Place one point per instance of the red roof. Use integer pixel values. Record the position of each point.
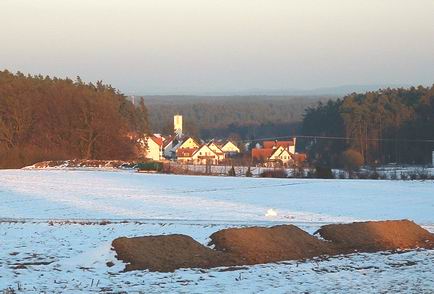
(219, 151)
(262, 154)
(185, 152)
(157, 140)
(168, 140)
(284, 144)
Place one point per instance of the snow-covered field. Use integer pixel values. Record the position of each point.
(41, 251)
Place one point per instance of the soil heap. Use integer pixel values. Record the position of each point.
(377, 236)
(256, 245)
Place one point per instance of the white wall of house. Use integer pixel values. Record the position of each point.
(230, 147)
(281, 154)
(203, 155)
(153, 150)
(189, 143)
(217, 151)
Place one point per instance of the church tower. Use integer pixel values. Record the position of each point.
(177, 125)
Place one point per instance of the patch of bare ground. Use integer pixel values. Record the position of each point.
(258, 245)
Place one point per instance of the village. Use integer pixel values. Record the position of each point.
(184, 149)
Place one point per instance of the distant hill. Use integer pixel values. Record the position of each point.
(323, 91)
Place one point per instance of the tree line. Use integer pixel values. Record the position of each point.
(385, 126)
(245, 117)
(43, 118)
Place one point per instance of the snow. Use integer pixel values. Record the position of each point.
(73, 194)
(54, 217)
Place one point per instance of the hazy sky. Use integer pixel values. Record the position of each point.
(144, 46)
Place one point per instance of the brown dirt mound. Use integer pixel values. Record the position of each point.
(167, 253)
(262, 245)
(377, 236)
(255, 245)
(77, 163)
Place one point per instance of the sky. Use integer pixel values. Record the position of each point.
(192, 46)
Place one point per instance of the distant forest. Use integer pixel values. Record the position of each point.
(243, 117)
(386, 126)
(43, 118)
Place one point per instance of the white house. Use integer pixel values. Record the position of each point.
(281, 155)
(230, 148)
(216, 149)
(201, 155)
(204, 155)
(189, 143)
(154, 147)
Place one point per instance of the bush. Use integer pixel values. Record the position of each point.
(297, 172)
(311, 173)
(404, 176)
(274, 173)
(150, 166)
(394, 175)
(383, 176)
(231, 172)
(363, 175)
(352, 160)
(374, 175)
(324, 172)
(249, 172)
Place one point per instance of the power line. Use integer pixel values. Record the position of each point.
(343, 139)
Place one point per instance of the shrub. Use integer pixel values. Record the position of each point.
(352, 160)
(363, 175)
(324, 172)
(394, 175)
(404, 176)
(249, 172)
(383, 176)
(311, 173)
(374, 175)
(274, 173)
(231, 172)
(297, 172)
(150, 166)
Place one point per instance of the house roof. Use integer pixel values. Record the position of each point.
(266, 153)
(218, 151)
(168, 140)
(284, 144)
(157, 140)
(229, 142)
(191, 139)
(263, 153)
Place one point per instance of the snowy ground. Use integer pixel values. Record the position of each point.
(39, 251)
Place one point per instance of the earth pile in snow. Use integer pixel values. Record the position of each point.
(80, 163)
(256, 245)
(167, 252)
(377, 236)
(262, 245)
